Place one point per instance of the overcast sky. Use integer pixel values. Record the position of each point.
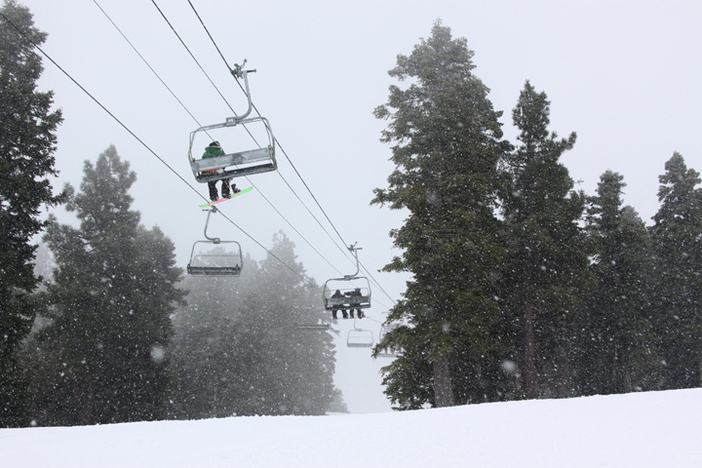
(626, 76)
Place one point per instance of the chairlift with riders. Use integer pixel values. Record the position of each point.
(242, 162)
(347, 293)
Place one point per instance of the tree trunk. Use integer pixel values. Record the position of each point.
(85, 412)
(443, 389)
(529, 350)
(626, 372)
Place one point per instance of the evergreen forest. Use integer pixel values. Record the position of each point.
(521, 286)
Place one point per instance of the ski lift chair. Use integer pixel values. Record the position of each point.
(213, 263)
(237, 164)
(204, 261)
(240, 163)
(314, 326)
(354, 291)
(387, 352)
(349, 289)
(359, 338)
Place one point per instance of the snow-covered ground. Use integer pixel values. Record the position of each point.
(655, 429)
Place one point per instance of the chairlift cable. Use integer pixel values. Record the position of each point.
(203, 70)
(343, 251)
(211, 38)
(146, 62)
(192, 55)
(293, 227)
(277, 142)
(214, 43)
(261, 245)
(36, 46)
(376, 282)
(274, 138)
(323, 211)
(136, 137)
(195, 119)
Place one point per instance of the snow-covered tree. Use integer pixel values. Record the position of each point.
(446, 146)
(677, 243)
(618, 348)
(546, 268)
(101, 355)
(27, 144)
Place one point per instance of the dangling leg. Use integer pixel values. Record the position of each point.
(225, 188)
(212, 186)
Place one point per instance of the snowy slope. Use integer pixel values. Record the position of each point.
(656, 429)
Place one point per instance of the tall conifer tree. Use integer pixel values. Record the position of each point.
(27, 143)
(547, 259)
(102, 357)
(677, 240)
(446, 147)
(619, 348)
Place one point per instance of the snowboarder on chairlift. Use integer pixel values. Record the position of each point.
(343, 311)
(356, 293)
(211, 151)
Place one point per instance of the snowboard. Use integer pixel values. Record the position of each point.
(234, 195)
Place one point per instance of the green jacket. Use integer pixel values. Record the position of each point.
(212, 151)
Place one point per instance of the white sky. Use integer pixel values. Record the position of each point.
(642, 430)
(624, 75)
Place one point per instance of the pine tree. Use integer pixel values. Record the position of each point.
(619, 348)
(677, 241)
(547, 261)
(102, 357)
(446, 147)
(27, 144)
